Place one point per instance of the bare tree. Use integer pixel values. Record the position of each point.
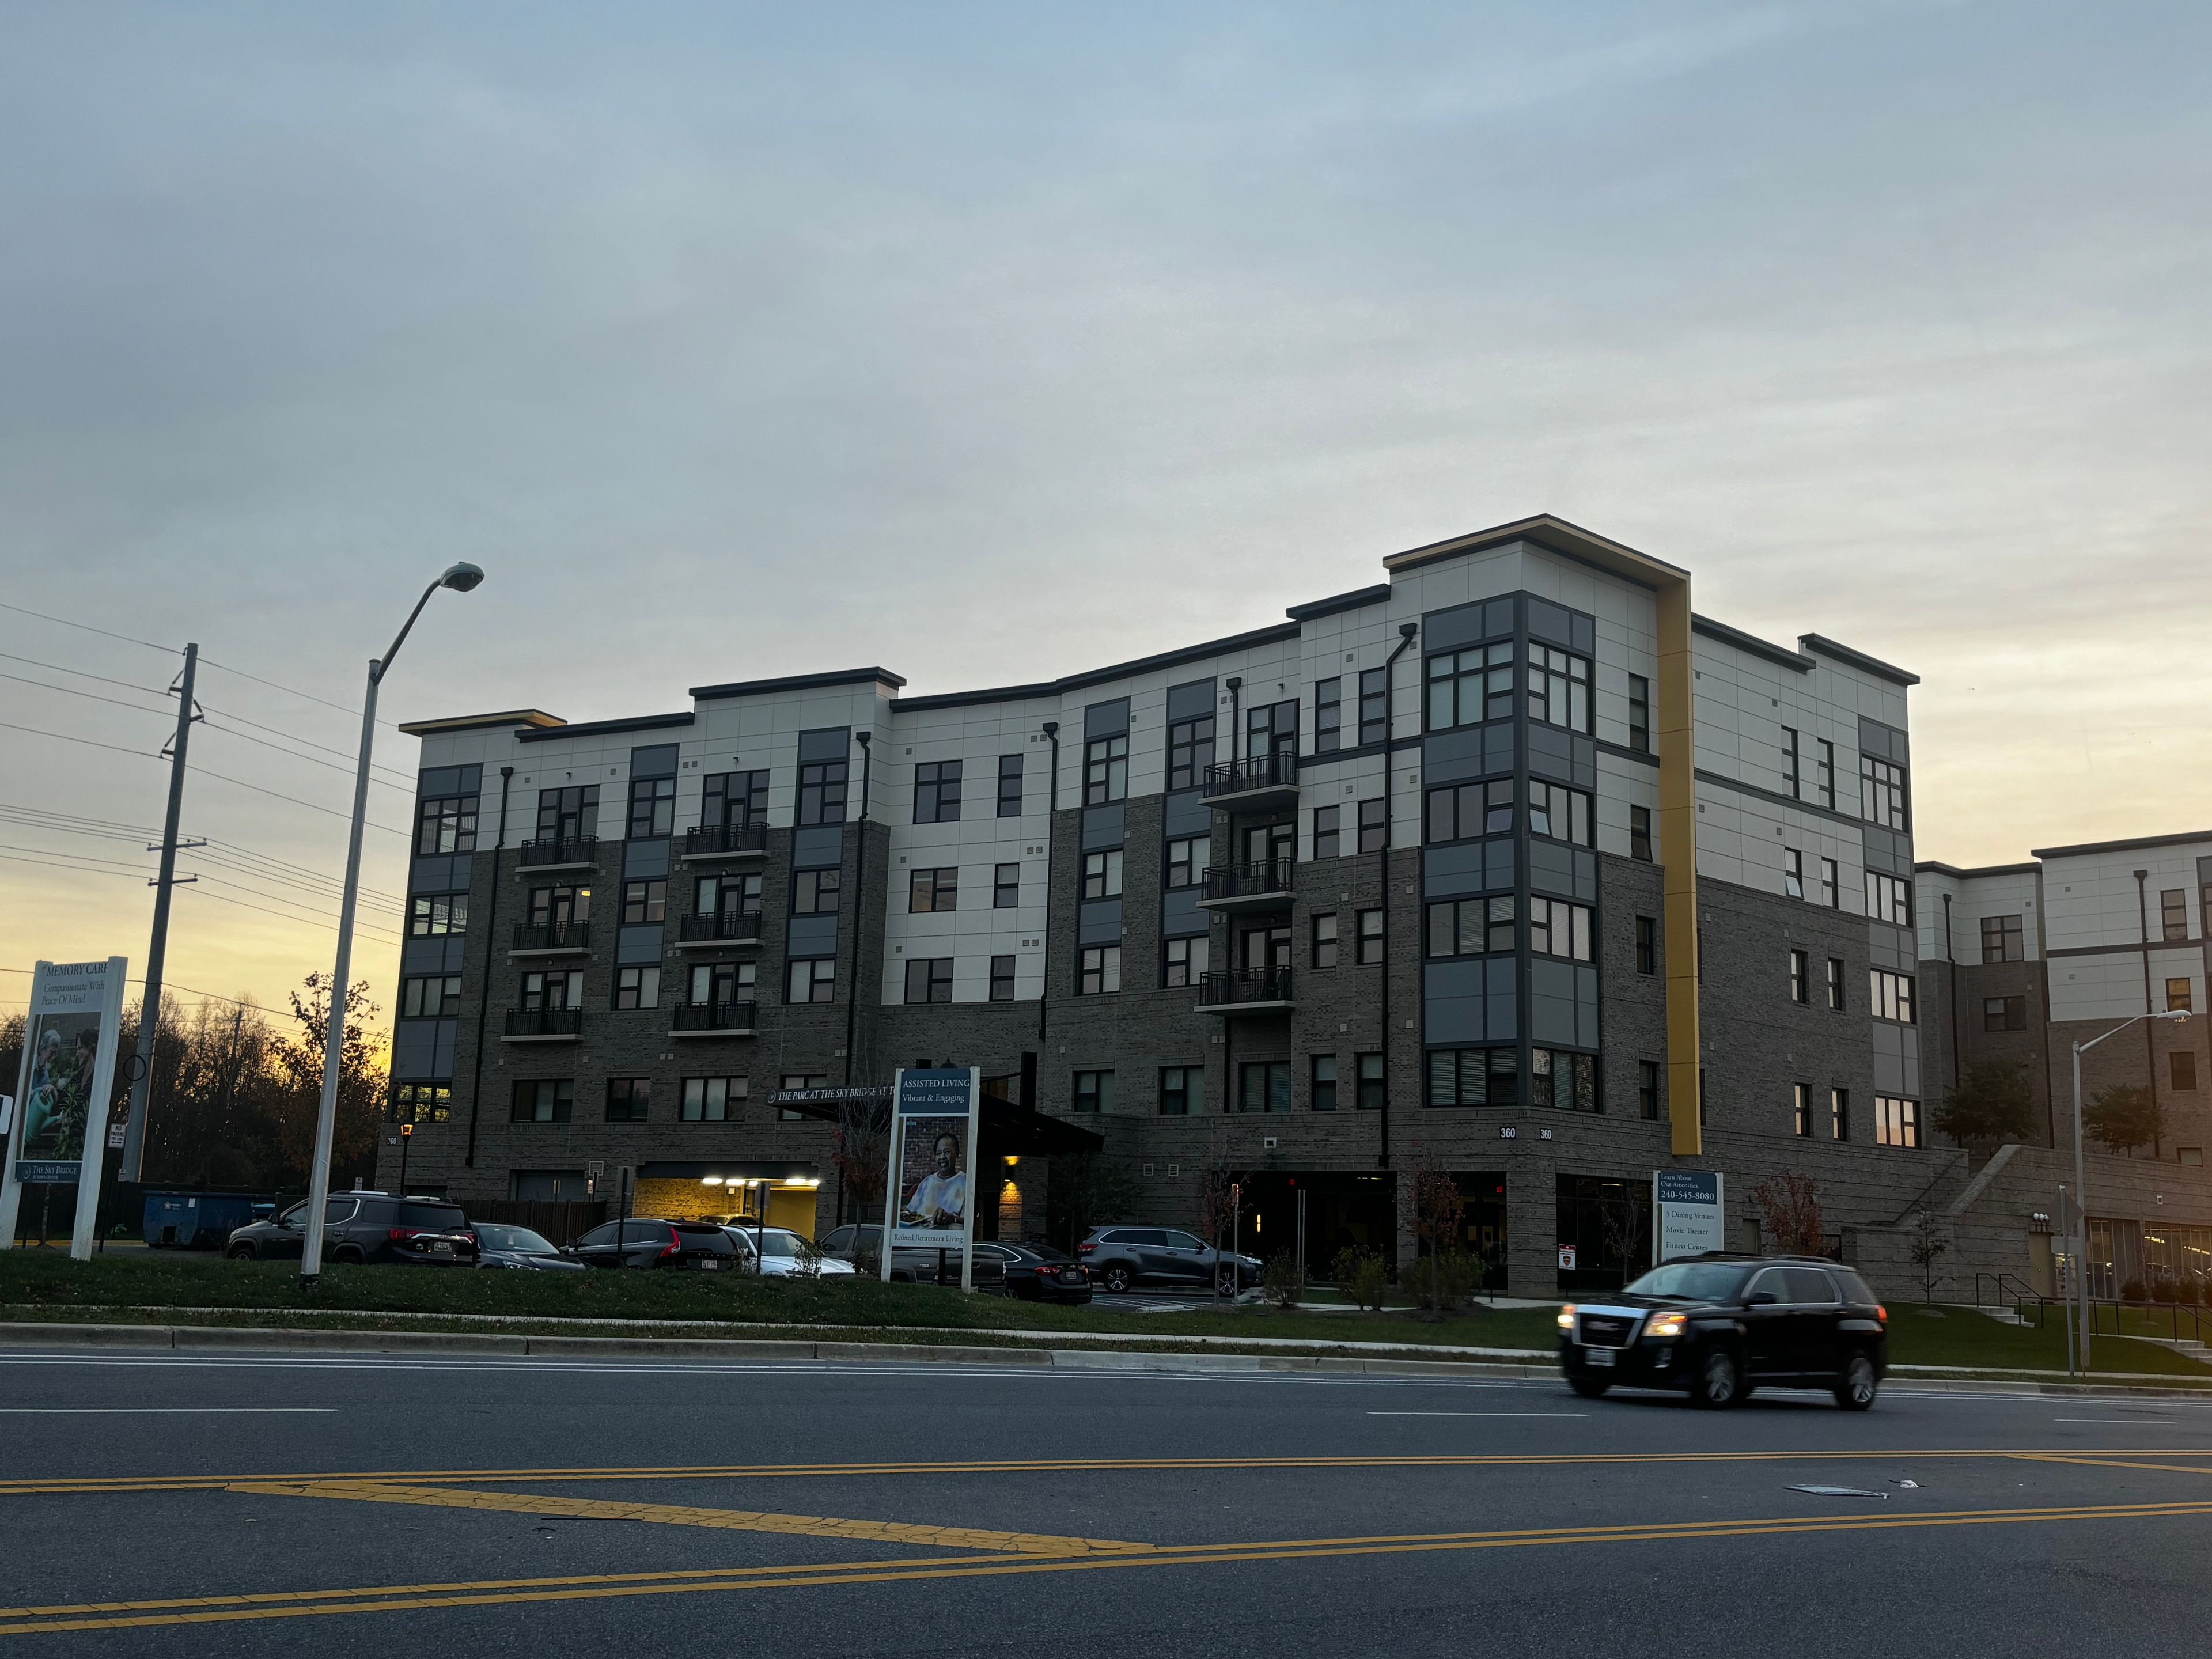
(1790, 1206)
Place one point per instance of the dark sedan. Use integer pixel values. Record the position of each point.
(500, 1245)
(1038, 1272)
(648, 1243)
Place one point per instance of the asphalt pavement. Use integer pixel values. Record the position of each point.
(258, 1503)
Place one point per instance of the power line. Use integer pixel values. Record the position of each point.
(60, 668)
(407, 788)
(278, 730)
(74, 691)
(66, 622)
(38, 732)
(116, 867)
(70, 823)
(292, 691)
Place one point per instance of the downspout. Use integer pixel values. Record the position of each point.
(1406, 634)
(1051, 825)
(491, 950)
(1951, 975)
(2150, 1041)
(1236, 683)
(866, 740)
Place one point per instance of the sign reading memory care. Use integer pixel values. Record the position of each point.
(926, 1200)
(67, 1078)
(1686, 1213)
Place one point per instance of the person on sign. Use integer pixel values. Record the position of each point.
(939, 1198)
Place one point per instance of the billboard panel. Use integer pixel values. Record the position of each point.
(1686, 1213)
(927, 1202)
(67, 1076)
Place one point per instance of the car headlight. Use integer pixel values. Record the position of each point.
(1567, 1318)
(1666, 1324)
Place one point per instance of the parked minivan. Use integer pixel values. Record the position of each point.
(362, 1227)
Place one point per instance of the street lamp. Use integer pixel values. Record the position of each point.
(460, 578)
(2081, 1192)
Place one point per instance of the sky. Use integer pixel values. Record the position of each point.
(984, 342)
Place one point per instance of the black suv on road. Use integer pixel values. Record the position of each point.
(361, 1227)
(1719, 1326)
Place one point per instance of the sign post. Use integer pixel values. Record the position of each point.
(935, 1115)
(60, 1135)
(1686, 1213)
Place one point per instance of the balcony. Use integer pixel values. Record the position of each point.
(713, 1019)
(726, 840)
(728, 927)
(1235, 889)
(550, 939)
(558, 853)
(1269, 780)
(1255, 991)
(543, 1025)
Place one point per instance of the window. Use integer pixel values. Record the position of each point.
(1474, 1077)
(733, 799)
(651, 806)
(2003, 940)
(1010, 786)
(1374, 705)
(1322, 1094)
(800, 1080)
(565, 814)
(446, 823)
(1183, 962)
(637, 987)
(1881, 793)
(553, 990)
(1639, 713)
(1568, 1081)
(1002, 979)
(1831, 892)
(727, 895)
(1896, 1121)
(1790, 777)
(1648, 1092)
(1799, 990)
(2181, 1068)
(1190, 751)
(1559, 688)
(644, 900)
(629, 1099)
(937, 792)
(821, 792)
(814, 892)
(1102, 874)
(2190, 1157)
(423, 1103)
(1374, 825)
(1005, 886)
(1188, 859)
(1836, 983)
(1266, 949)
(1468, 686)
(929, 979)
(1098, 970)
(1370, 937)
(1371, 1091)
(429, 915)
(1889, 899)
(931, 891)
(557, 907)
(1465, 810)
(1839, 1114)
(2004, 1013)
(1094, 1091)
(1824, 773)
(2179, 998)
(1182, 1089)
(1325, 822)
(813, 981)
(1647, 944)
(719, 984)
(2174, 913)
(1105, 770)
(1559, 812)
(1639, 833)
(1272, 729)
(1793, 873)
(1557, 928)
(436, 997)
(1329, 716)
(1263, 1085)
(1801, 1117)
(1889, 996)
(1324, 939)
(543, 1100)
(708, 1099)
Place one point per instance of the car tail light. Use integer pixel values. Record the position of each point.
(1880, 1314)
(398, 1233)
(674, 1246)
(1084, 1248)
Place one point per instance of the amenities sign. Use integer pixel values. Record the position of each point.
(928, 1201)
(1686, 1213)
(68, 1075)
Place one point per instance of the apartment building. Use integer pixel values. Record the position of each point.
(1508, 864)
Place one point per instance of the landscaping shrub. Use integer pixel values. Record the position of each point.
(1362, 1275)
(2132, 1290)
(1286, 1282)
(1454, 1274)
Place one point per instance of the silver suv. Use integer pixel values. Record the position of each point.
(862, 1247)
(1122, 1258)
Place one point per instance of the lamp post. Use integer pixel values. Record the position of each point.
(460, 578)
(2081, 1190)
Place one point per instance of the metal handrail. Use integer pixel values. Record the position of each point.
(1277, 769)
(1259, 879)
(552, 936)
(715, 1016)
(723, 924)
(556, 849)
(544, 1022)
(1252, 985)
(726, 838)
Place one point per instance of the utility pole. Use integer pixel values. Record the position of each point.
(149, 1007)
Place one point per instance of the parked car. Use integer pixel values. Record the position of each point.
(501, 1244)
(862, 1247)
(1037, 1273)
(1718, 1326)
(649, 1242)
(365, 1227)
(1122, 1258)
(784, 1252)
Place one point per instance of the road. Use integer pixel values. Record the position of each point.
(267, 1504)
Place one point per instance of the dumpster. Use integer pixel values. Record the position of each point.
(197, 1221)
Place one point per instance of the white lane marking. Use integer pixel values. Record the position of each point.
(1478, 1414)
(154, 1411)
(2141, 1422)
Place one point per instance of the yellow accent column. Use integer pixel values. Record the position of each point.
(1678, 853)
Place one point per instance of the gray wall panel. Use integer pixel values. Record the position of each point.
(1187, 814)
(639, 944)
(827, 743)
(1103, 827)
(1179, 916)
(810, 936)
(820, 847)
(645, 860)
(1192, 701)
(1099, 922)
(1452, 995)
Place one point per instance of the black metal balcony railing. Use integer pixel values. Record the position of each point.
(544, 1022)
(714, 1016)
(552, 936)
(735, 926)
(1261, 879)
(1277, 770)
(1253, 985)
(709, 838)
(557, 849)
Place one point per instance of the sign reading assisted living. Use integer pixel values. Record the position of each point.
(928, 1200)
